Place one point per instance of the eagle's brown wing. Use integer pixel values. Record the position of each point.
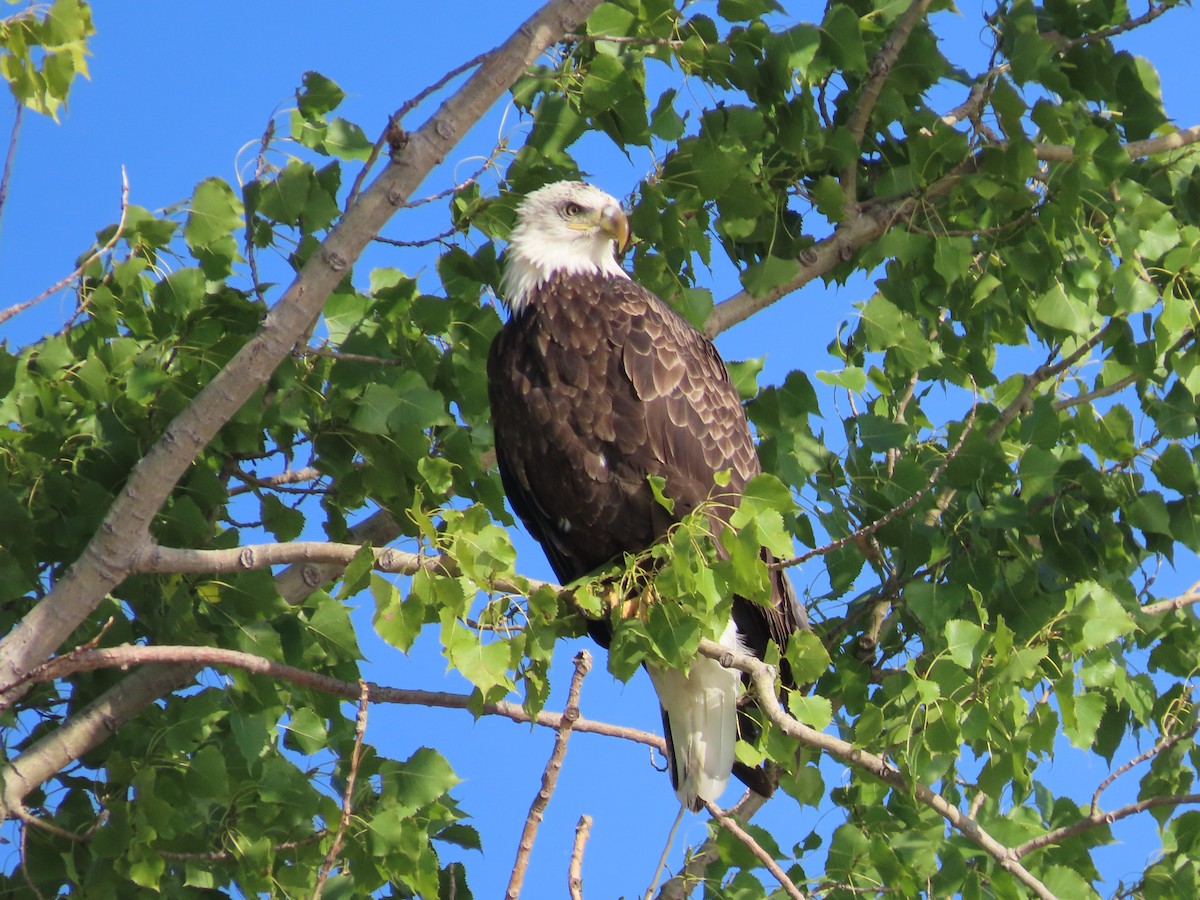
(595, 385)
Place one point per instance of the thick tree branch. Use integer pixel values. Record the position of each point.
(537, 809)
(87, 728)
(763, 681)
(124, 533)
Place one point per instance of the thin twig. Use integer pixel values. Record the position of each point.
(277, 482)
(730, 824)
(394, 121)
(327, 353)
(10, 157)
(537, 809)
(575, 867)
(423, 242)
(892, 514)
(1097, 819)
(335, 849)
(666, 850)
(7, 314)
(260, 169)
(24, 853)
(1166, 743)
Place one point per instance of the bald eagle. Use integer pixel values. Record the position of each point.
(595, 384)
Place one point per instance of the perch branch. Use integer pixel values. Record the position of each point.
(537, 809)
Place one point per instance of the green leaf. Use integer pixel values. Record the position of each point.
(762, 277)
(851, 378)
(318, 95)
(213, 215)
(485, 663)
(418, 781)
(841, 39)
(807, 657)
(965, 642)
(306, 731)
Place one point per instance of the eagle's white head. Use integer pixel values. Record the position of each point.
(568, 227)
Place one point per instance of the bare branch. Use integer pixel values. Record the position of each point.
(575, 867)
(335, 849)
(274, 482)
(763, 680)
(1190, 597)
(1176, 140)
(7, 314)
(730, 824)
(11, 155)
(157, 559)
(127, 655)
(124, 532)
(537, 809)
(394, 120)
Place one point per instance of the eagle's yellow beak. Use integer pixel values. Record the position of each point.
(615, 224)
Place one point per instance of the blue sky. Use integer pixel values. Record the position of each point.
(180, 92)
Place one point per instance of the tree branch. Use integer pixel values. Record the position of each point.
(174, 560)
(575, 867)
(10, 156)
(865, 225)
(1188, 598)
(7, 314)
(1096, 819)
(881, 67)
(124, 533)
(680, 887)
(763, 681)
(197, 658)
(360, 730)
(537, 809)
(730, 824)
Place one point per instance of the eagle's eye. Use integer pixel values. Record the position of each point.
(571, 209)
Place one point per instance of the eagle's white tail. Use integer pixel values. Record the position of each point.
(700, 725)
